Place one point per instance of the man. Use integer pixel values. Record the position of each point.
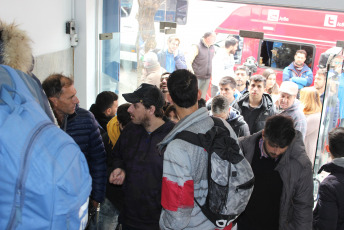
(220, 108)
(137, 163)
(282, 197)
(298, 72)
(171, 58)
(223, 64)
(290, 106)
(332, 106)
(241, 77)
(164, 89)
(105, 108)
(227, 89)
(81, 125)
(199, 61)
(255, 105)
(185, 165)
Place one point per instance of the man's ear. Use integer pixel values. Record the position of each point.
(107, 111)
(199, 95)
(263, 134)
(152, 109)
(327, 148)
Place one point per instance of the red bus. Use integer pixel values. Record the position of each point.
(285, 31)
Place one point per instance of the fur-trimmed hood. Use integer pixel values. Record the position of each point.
(15, 47)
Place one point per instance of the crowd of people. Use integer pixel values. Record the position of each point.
(143, 178)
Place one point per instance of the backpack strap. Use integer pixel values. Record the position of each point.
(189, 137)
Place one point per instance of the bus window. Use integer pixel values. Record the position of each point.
(220, 42)
(172, 11)
(279, 54)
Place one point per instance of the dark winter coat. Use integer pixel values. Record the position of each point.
(136, 152)
(329, 212)
(83, 128)
(267, 109)
(238, 124)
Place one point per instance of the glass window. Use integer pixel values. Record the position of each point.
(279, 54)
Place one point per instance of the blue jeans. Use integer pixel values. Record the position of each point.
(108, 217)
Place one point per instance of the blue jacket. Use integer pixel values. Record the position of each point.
(83, 128)
(179, 60)
(302, 79)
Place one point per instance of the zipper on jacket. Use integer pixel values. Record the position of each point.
(19, 195)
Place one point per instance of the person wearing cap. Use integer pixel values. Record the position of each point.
(152, 70)
(136, 162)
(290, 106)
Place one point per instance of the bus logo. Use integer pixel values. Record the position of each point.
(273, 15)
(330, 20)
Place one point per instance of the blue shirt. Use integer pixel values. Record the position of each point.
(170, 63)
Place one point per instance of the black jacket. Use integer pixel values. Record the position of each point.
(266, 110)
(238, 124)
(329, 212)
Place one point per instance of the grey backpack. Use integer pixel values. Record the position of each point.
(230, 177)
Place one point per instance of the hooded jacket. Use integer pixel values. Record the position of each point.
(295, 170)
(238, 124)
(136, 153)
(329, 211)
(185, 176)
(266, 110)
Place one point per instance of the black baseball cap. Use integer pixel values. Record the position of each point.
(146, 94)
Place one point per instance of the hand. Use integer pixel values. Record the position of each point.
(94, 203)
(117, 176)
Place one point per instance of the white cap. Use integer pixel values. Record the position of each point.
(289, 87)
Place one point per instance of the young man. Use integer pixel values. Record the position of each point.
(105, 108)
(228, 89)
(241, 77)
(220, 108)
(199, 61)
(282, 197)
(185, 165)
(329, 212)
(223, 64)
(81, 125)
(137, 163)
(255, 105)
(290, 106)
(298, 72)
(171, 58)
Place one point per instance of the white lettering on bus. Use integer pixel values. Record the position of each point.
(284, 19)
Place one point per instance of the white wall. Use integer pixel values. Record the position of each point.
(44, 21)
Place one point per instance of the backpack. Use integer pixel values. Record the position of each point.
(230, 177)
(44, 179)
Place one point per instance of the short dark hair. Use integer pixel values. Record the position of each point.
(219, 104)
(123, 116)
(228, 81)
(336, 142)
(322, 71)
(183, 88)
(155, 97)
(279, 130)
(208, 34)
(201, 103)
(105, 100)
(169, 109)
(301, 52)
(231, 42)
(243, 68)
(53, 84)
(258, 78)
